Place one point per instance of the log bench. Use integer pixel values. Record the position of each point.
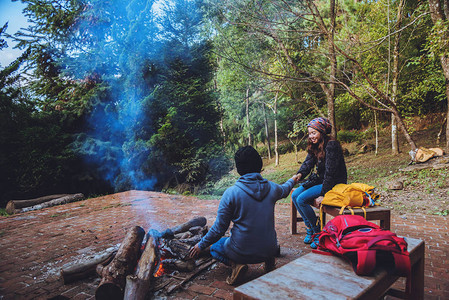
(317, 276)
(380, 213)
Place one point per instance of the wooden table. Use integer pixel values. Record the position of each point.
(380, 213)
(316, 276)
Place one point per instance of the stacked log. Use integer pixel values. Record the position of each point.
(18, 206)
(113, 275)
(129, 272)
(86, 266)
(138, 285)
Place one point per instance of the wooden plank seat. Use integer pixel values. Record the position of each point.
(317, 276)
(382, 214)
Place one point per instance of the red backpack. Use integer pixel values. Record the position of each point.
(365, 245)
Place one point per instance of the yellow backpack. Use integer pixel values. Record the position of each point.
(354, 195)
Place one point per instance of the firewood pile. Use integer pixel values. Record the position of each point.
(152, 263)
(18, 206)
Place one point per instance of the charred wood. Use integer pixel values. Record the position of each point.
(86, 267)
(174, 286)
(197, 221)
(183, 235)
(178, 249)
(192, 240)
(178, 265)
(138, 285)
(114, 274)
(196, 230)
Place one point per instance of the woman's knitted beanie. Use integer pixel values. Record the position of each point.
(321, 124)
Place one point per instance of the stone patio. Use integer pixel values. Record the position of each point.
(34, 245)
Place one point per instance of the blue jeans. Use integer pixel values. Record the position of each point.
(217, 251)
(302, 198)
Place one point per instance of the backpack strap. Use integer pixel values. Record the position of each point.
(403, 266)
(342, 209)
(366, 261)
(322, 252)
(321, 216)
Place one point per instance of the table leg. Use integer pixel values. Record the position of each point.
(293, 219)
(417, 279)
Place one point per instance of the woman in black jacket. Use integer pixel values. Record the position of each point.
(326, 155)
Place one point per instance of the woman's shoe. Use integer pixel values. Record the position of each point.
(308, 238)
(316, 242)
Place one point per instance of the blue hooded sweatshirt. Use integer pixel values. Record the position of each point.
(249, 204)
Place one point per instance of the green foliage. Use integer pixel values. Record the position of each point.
(349, 136)
(437, 40)
(349, 112)
(117, 96)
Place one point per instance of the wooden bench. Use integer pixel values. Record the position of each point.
(317, 276)
(380, 213)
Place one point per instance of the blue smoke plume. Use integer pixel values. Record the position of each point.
(116, 42)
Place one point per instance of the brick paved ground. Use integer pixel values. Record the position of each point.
(34, 245)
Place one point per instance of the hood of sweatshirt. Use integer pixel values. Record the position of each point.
(254, 185)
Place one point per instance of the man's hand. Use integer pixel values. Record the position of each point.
(194, 251)
(296, 178)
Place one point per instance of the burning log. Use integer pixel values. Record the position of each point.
(183, 235)
(197, 221)
(86, 267)
(197, 230)
(138, 285)
(170, 264)
(13, 205)
(57, 201)
(177, 248)
(114, 275)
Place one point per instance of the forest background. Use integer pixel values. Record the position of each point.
(157, 95)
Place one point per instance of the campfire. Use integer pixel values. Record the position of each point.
(153, 262)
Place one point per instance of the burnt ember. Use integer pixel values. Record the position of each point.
(175, 268)
(155, 263)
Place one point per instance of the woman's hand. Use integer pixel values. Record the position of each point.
(318, 200)
(194, 251)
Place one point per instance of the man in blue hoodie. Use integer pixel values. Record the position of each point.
(249, 204)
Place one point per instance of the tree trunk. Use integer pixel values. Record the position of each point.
(445, 62)
(17, 204)
(404, 129)
(276, 152)
(377, 132)
(138, 285)
(113, 280)
(267, 132)
(333, 71)
(439, 12)
(54, 202)
(394, 136)
(247, 116)
(440, 133)
(86, 267)
(395, 78)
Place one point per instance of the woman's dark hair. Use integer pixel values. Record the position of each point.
(319, 149)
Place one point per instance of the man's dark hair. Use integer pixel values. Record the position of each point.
(248, 160)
